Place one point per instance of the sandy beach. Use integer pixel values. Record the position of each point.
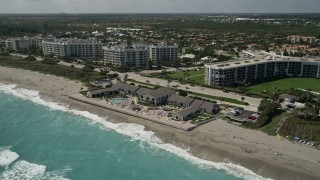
(217, 141)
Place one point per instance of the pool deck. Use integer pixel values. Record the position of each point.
(187, 126)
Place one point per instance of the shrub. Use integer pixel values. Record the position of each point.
(88, 68)
(30, 58)
(49, 61)
(183, 93)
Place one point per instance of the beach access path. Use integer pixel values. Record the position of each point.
(218, 140)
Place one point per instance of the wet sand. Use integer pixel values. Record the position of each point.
(217, 141)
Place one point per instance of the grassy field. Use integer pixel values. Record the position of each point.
(58, 70)
(287, 83)
(191, 76)
(270, 128)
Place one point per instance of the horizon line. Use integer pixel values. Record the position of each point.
(58, 13)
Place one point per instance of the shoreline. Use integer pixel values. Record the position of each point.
(80, 98)
(216, 141)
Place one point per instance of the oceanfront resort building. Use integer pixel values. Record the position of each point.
(136, 55)
(82, 48)
(188, 107)
(23, 43)
(263, 65)
(164, 53)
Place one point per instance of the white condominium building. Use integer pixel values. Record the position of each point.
(82, 48)
(23, 43)
(298, 39)
(127, 56)
(264, 66)
(163, 53)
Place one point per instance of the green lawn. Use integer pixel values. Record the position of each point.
(287, 83)
(201, 118)
(191, 76)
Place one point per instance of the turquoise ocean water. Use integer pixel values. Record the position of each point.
(45, 140)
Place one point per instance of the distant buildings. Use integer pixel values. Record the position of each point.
(82, 48)
(163, 53)
(127, 56)
(235, 72)
(188, 56)
(23, 43)
(298, 39)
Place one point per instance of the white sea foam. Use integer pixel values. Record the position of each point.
(134, 131)
(7, 157)
(24, 170)
(27, 171)
(57, 175)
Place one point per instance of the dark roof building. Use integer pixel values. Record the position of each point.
(158, 96)
(288, 97)
(161, 92)
(126, 88)
(101, 92)
(210, 107)
(180, 100)
(197, 102)
(141, 91)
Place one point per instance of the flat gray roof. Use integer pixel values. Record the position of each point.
(161, 92)
(260, 57)
(180, 99)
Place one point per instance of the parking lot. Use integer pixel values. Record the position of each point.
(241, 115)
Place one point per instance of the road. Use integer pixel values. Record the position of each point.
(253, 102)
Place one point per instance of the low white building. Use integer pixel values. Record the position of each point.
(188, 56)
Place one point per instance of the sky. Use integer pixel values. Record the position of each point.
(159, 6)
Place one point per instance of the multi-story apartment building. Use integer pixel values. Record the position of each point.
(298, 39)
(82, 48)
(164, 53)
(23, 43)
(127, 56)
(235, 72)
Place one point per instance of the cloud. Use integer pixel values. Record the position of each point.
(159, 6)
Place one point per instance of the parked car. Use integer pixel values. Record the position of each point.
(252, 117)
(235, 112)
(290, 105)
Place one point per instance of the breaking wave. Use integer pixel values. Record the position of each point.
(21, 169)
(131, 130)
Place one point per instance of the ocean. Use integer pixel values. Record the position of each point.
(40, 139)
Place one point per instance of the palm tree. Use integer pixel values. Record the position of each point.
(125, 78)
(242, 98)
(221, 99)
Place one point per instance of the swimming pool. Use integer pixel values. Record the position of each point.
(119, 100)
